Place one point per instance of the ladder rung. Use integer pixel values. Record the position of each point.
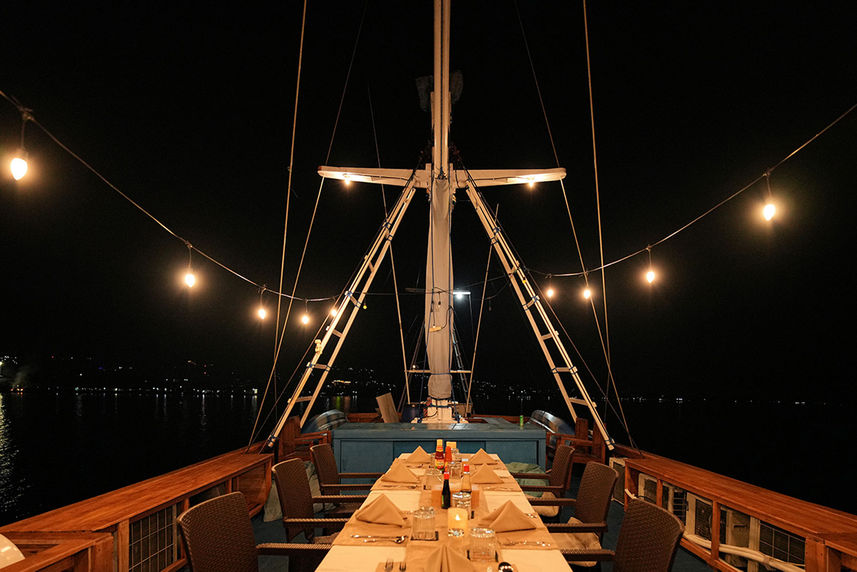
(578, 401)
(546, 337)
(323, 366)
(337, 333)
(305, 398)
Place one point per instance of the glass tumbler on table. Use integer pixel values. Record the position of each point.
(423, 526)
(483, 543)
(461, 499)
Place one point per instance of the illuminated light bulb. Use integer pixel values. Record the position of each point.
(531, 184)
(333, 312)
(305, 319)
(650, 276)
(190, 279)
(262, 313)
(347, 180)
(769, 211)
(587, 293)
(550, 292)
(19, 167)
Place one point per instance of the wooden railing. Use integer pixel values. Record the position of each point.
(721, 511)
(134, 528)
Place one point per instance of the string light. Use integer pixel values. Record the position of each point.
(333, 312)
(305, 316)
(550, 291)
(189, 277)
(770, 209)
(650, 274)
(19, 164)
(261, 311)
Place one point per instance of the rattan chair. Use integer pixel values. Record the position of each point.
(296, 502)
(329, 477)
(558, 479)
(647, 541)
(218, 536)
(585, 529)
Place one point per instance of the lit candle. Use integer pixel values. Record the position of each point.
(456, 521)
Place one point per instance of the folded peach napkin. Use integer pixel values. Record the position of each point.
(447, 559)
(485, 476)
(482, 458)
(508, 518)
(399, 473)
(418, 456)
(381, 511)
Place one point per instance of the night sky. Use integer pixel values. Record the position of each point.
(189, 112)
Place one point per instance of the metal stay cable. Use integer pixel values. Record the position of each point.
(289, 183)
(605, 345)
(606, 341)
(479, 319)
(272, 374)
(285, 321)
(392, 259)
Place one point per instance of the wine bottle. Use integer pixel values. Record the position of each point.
(445, 493)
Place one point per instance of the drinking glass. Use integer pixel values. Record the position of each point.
(423, 527)
(461, 500)
(483, 543)
(455, 470)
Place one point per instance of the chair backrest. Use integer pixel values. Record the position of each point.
(595, 492)
(325, 464)
(648, 539)
(294, 494)
(560, 474)
(218, 535)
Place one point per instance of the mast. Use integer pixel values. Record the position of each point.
(440, 181)
(439, 277)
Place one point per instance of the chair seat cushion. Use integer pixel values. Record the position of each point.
(578, 541)
(546, 510)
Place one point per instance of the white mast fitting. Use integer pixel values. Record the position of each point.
(441, 181)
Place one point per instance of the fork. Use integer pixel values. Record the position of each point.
(402, 566)
(388, 567)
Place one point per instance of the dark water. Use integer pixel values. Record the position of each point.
(58, 449)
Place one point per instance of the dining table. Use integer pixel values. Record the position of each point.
(377, 537)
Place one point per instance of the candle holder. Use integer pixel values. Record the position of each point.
(457, 521)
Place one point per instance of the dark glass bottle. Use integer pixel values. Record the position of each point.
(445, 493)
